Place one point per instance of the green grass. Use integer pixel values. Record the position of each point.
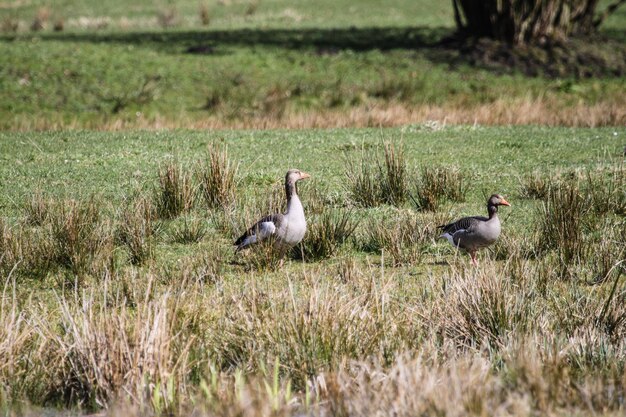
(254, 72)
(107, 302)
(231, 319)
(268, 13)
(113, 166)
(78, 164)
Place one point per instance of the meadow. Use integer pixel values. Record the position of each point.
(122, 291)
(378, 64)
(139, 140)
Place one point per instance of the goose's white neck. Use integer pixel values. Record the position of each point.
(294, 207)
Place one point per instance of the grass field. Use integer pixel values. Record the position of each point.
(139, 139)
(353, 328)
(379, 68)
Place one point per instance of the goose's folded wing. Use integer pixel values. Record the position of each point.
(462, 227)
(260, 231)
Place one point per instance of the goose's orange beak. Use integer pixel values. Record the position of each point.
(304, 175)
(503, 202)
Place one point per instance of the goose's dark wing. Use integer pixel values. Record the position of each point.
(468, 224)
(260, 231)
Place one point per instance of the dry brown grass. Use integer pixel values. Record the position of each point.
(351, 336)
(217, 177)
(137, 228)
(401, 236)
(487, 342)
(175, 193)
(533, 111)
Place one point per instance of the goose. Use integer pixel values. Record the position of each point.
(476, 232)
(287, 228)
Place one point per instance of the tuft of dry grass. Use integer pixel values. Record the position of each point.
(204, 14)
(37, 209)
(175, 193)
(9, 24)
(436, 183)
(363, 183)
(402, 237)
(483, 306)
(107, 349)
(607, 190)
(608, 253)
(137, 228)
(394, 175)
(190, 230)
(562, 219)
(83, 241)
(218, 177)
(536, 185)
(28, 251)
(326, 233)
(372, 183)
(252, 7)
(41, 19)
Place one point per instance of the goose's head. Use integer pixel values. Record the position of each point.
(497, 200)
(295, 175)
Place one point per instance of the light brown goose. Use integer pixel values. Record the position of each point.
(286, 228)
(477, 232)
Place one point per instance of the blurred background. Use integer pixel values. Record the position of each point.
(279, 63)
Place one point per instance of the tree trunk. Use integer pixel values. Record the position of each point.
(522, 21)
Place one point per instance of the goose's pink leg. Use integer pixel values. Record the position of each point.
(474, 260)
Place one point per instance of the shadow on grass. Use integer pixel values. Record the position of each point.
(356, 39)
(599, 56)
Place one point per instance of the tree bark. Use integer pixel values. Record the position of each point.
(528, 21)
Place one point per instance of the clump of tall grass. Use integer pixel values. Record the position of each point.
(435, 183)
(108, 348)
(9, 24)
(175, 193)
(484, 306)
(364, 183)
(264, 256)
(536, 185)
(81, 237)
(137, 229)
(326, 233)
(562, 221)
(190, 230)
(218, 177)
(514, 246)
(252, 7)
(608, 253)
(607, 190)
(26, 250)
(319, 323)
(394, 175)
(23, 363)
(37, 209)
(204, 13)
(401, 237)
(41, 19)
(372, 183)
(458, 386)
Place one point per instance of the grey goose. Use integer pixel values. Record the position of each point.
(476, 232)
(288, 228)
